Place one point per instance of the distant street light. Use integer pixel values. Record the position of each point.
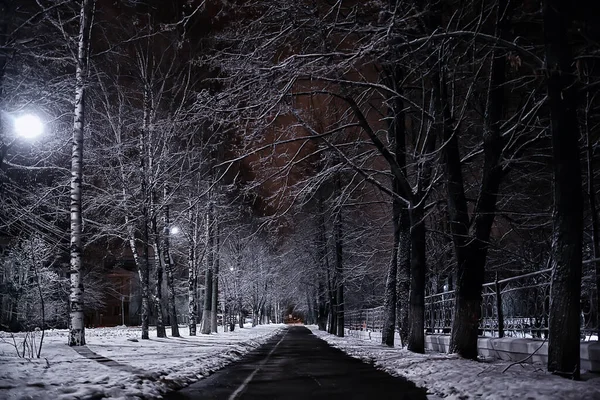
(175, 230)
(28, 126)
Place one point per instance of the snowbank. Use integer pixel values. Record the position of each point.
(141, 369)
(449, 377)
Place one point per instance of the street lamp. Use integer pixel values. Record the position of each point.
(28, 126)
(174, 230)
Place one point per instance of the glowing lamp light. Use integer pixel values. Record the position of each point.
(28, 126)
(175, 230)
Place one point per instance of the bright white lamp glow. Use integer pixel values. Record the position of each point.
(28, 126)
(175, 230)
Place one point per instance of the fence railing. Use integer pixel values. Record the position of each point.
(513, 307)
(516, 306)
(364, 320)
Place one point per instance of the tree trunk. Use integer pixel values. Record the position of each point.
(471, 261)
(390, 298)
(322, 278)
(331, 286)
(418, 260)
(416, 334)
(76, 320)
(593, 214)
(145, 277)
(207, 314)
(192, 274)
(238, 288)
(158, 267)
(322, 304)
(215, 278)
(315, 300)
(404, 257)
(567, 238)
(397, 135)
(468, 294)
(146, 202)
(310, 309)
(332, 315)
(339, 273)
(169, 267)
(140, 262)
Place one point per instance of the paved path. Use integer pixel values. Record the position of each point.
(297, 365)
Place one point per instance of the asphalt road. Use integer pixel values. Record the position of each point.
(297, 365)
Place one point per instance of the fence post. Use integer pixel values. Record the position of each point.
(499, 312)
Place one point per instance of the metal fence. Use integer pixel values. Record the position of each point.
(513, 307)
(364, 324)
(364, 320)
(516, 306)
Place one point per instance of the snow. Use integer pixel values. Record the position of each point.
(141, 369)
(148, 368)
(449, 377)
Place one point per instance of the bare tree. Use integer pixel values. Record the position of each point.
(168, 260)
(208, 285)
(563, 341)
(77, 327)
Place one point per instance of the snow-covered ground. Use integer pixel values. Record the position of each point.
(449, 377)
(143, 368)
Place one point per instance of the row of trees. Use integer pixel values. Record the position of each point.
(148, 163)
(380, 149)
(459, 113)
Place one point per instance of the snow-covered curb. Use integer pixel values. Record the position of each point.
(155, 365)
(447, 376)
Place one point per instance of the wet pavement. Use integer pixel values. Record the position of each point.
(295, 364)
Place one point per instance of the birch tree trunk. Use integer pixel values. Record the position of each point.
(76, 320)
(169, 266)
(567, 238)
(158, 268)
(142, 268)
(145, 277)
(146, 201)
